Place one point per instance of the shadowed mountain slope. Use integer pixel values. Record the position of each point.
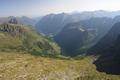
(108, 49)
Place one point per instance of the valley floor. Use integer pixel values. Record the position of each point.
(18, 66)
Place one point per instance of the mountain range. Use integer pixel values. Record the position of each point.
(53, 23)
(64, 46)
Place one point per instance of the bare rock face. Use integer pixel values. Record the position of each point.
(12, 29)
(13, 21)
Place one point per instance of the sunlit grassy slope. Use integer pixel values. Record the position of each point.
(17, 37)
(18, 66)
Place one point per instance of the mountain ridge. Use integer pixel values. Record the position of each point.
(21, 38)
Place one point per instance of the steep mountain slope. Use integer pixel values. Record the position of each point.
(108, 48)
(101, 25)
(109, 61)
(73, 38)
(97, 27)
(52, 23)
(16, 37)
(108, 39)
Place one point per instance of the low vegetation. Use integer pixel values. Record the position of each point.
(18, 66)
(17, 37)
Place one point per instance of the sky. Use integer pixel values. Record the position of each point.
(34, 8)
